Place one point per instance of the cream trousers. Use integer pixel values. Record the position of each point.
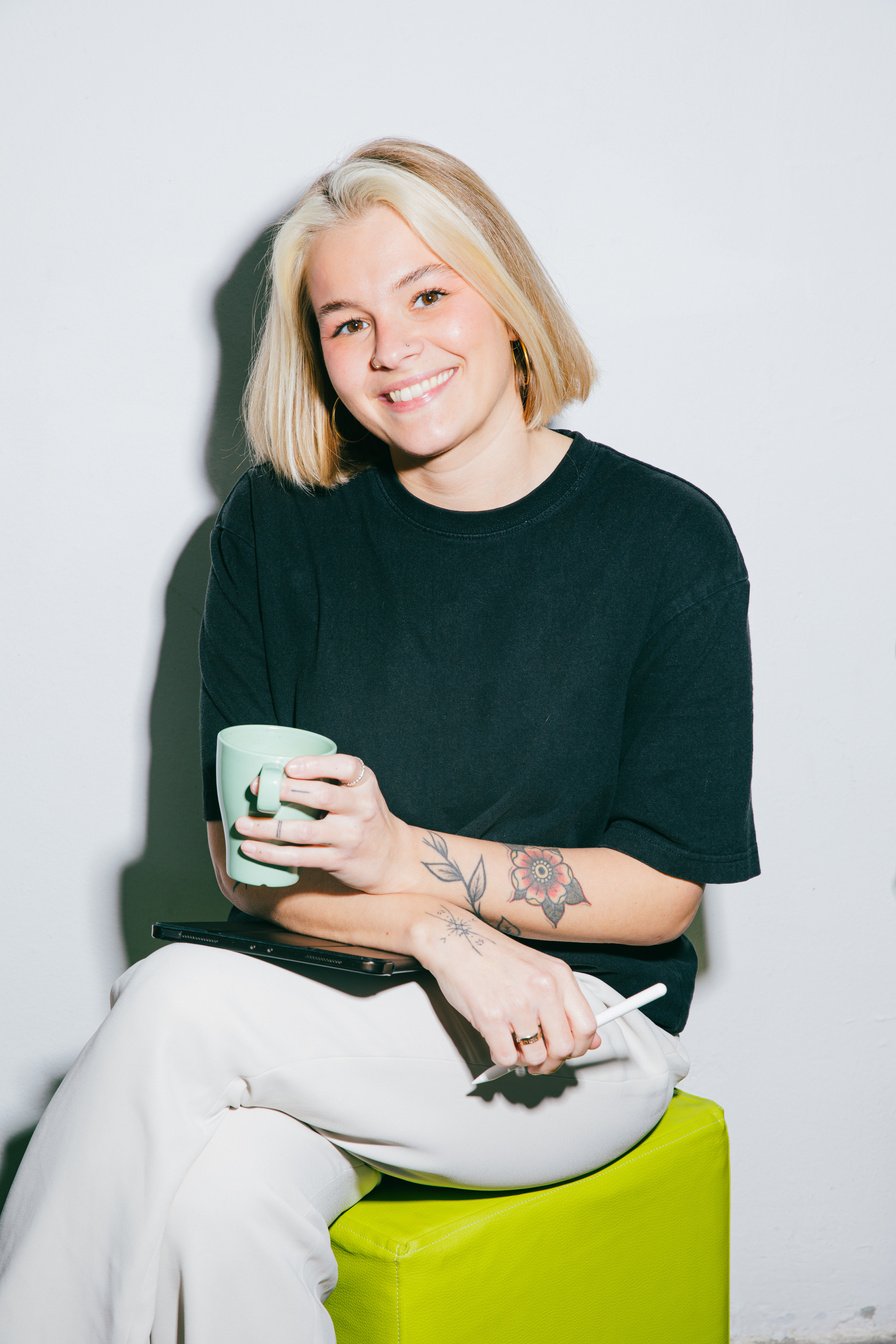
(180, 1184)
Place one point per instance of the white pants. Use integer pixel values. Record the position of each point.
(181, 1182)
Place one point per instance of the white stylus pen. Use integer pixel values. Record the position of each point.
(609, 1015)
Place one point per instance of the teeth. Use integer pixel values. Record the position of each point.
(409, 393)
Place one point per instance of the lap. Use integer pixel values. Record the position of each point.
(383, 1070)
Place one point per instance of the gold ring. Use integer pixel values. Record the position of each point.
(350, 783)
(527, 1040)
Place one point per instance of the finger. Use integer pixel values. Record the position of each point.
(584, 1028)
(291, 856)
(534, 1052)
(573, 1021)
(340, 767)
(557, 1041)
(288, 831)
(554, 1061)
(502, 1046)
(312, 793)
(568, 1027)
(317, 793)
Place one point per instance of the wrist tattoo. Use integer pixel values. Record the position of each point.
(542, 877)
(448, 871)
(458, 927)
(474, 887)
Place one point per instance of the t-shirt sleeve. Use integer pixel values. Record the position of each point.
(234, 680)
(682, 802)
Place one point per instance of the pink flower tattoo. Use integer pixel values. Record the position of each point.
(542, 877)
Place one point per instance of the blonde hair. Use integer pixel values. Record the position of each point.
(288, 400)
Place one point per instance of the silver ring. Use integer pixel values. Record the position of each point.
(350, 783)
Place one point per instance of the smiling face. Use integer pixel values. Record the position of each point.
(414, 352)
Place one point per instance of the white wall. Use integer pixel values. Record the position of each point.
(711, 185)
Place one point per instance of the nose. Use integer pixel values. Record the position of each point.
(394, 344)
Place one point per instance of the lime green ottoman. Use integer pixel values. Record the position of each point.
(635, 1253)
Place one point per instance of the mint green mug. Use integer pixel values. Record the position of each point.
(263, 749)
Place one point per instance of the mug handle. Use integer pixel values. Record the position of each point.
(270, 781)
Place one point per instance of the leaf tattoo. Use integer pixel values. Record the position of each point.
(448, 871)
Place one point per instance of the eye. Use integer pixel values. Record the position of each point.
(351, 325)
(430, 297)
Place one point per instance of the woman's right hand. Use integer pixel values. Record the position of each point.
(504, 988)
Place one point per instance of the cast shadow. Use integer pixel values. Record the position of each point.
(699, 937)
(14, 1148)
(172, 878)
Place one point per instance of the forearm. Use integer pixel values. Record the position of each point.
(534, 891)
(588, 895)
(322, 906)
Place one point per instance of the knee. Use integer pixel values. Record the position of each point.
(235, 1217)
(175, 982)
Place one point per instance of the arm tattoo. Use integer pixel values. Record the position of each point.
(456, 927)
(447, 870)
(542, 877)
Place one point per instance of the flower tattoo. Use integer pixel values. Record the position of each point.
(542, 877)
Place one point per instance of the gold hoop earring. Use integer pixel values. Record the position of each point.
(337, 433)
(527, 373)
(333, 430)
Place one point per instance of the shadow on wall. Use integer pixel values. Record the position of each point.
(172, 878)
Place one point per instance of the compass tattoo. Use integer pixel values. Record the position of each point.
(458, 927)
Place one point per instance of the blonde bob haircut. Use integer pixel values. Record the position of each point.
(289, 403)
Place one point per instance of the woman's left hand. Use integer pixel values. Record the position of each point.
(359, 840)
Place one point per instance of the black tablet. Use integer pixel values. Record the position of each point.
(275, 944)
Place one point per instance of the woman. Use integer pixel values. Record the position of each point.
(533, 654)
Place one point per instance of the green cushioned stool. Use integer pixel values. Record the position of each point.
(635, 1253)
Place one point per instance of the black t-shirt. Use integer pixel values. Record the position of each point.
(571, 669)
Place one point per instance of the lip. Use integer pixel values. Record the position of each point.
(409, 382)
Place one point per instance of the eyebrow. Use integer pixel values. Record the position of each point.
(335, 305)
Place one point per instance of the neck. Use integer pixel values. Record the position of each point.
(486, 471)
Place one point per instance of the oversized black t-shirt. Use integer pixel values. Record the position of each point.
(571, 669)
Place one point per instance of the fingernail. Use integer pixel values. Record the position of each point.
(248, 847)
